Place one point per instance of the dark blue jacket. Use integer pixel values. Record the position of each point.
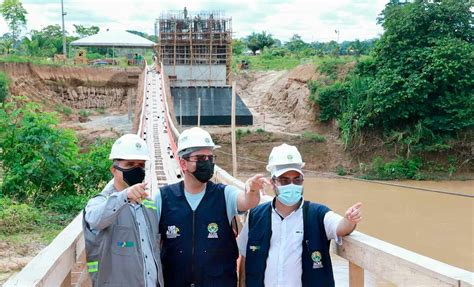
(317, 267)
(198, 247)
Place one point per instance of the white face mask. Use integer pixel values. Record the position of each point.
(289, 194)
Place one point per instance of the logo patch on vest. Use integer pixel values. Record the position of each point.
(125, 244)
(316, 257)
(172, 232)
(212, 228)
(254, 247)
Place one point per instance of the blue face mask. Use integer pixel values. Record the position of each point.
(289, 194)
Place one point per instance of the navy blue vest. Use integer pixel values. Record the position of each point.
(198, 247)
(317, 267)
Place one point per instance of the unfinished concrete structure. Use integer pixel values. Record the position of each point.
(196, 53)
(196, 50)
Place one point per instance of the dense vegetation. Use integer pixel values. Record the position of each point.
(262, 52)
(45, 177)
(416, 89)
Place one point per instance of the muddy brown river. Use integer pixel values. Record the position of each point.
(433, 224)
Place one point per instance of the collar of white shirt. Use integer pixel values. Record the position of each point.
(281, 217)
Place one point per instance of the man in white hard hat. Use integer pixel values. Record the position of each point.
(121, 225)
(199, 246)
(286, 242)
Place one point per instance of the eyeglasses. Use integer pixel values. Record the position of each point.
(200, 157)
(286, 180)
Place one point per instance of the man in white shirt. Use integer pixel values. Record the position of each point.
(286, 242)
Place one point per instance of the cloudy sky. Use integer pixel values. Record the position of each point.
(313, 20)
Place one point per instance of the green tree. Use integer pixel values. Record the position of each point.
(94, 167)
(418, 88)
(84, 31)
(296, 44)
(6, 44)
(259, 41)
(44, 43)
(425, 72)
(15, 16)
(39, 159)
(238, 46)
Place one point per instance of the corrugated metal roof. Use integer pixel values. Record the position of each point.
(120, 39)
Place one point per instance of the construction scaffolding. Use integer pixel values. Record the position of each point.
(197, 49)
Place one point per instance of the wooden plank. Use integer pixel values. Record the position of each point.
(398, 265)
(356, 275)
(84, 279)
(67, 281)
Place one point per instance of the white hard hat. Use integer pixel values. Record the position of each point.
(193, 139)
(284, 158)
(131, 147)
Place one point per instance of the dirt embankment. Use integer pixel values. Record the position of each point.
(279, 102)
(74, 87)
(104, 93)
(253, 149)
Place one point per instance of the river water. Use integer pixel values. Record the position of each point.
(423, 220)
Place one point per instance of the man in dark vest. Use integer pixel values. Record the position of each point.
(285, 242)
(199, 247)
(120, 224)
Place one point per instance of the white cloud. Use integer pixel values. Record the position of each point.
(314, 20)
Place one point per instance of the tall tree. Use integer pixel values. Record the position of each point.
(296, 44)
(418, 87)
(44, 43)
(259, 41)
(15, 16)
(425, 67)
(6, 43)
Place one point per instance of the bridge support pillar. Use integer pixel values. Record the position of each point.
(356, 275)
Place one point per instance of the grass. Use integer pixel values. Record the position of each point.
(44, 232)
(122, 61)
(27, 59)
(41, 236)
(63, 109)
(260, 63)
(287, 62)
(313, 137)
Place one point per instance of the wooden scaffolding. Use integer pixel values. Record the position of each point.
(201, 39)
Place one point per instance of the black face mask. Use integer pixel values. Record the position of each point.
(132, 175)
(204, 170)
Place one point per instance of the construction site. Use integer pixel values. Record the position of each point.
(191, 82)
(196, 52)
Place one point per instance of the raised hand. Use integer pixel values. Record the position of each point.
(256, 183)
(354, 213)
